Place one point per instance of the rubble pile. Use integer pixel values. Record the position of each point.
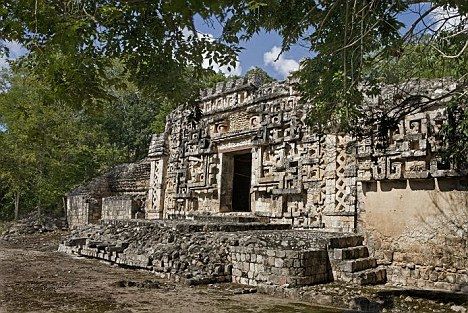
(171, 251)
(34, 223)
(201, 252)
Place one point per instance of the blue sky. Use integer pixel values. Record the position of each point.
(253, 54)
(16, 50)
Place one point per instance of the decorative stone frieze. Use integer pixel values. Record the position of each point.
(246, 150)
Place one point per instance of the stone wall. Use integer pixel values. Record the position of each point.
(200, 252)
(392, 185)
(127, 181)
(84, 202)
(182, 250)
(326, 181)
(418, 229)
(82, 210)
(412, 203)
(121, 208)
(297, 177)
(130, 179)
(253, 266)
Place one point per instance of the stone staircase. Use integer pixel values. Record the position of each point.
(228, 218)
(350, 262)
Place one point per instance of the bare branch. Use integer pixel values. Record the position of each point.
(415, 23)
(451, 56)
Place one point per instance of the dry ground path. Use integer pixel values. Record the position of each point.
(34, 277)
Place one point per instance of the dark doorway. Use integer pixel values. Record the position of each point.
(241, 182)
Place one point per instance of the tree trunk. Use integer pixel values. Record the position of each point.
(17, 199)
(64, 201)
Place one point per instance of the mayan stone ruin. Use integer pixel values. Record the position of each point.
(241, 190)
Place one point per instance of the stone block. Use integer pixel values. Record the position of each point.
(278, 262)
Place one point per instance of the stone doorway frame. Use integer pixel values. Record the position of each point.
(227, 179)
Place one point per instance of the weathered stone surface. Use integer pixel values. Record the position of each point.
(123, 182)
(247, 147)
(199, 253)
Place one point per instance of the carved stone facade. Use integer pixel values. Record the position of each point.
(296, 176)
(248, 150)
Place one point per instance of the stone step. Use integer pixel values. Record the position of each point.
(357, 265)
(76, 241)
(372, 276)
(115, 248)
(94, 244)
(228, 218)
(357, 252)
(345, 242)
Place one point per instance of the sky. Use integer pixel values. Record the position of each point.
(260, 51)
(16, 50)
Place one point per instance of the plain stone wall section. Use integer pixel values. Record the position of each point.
(119, 208)
(253, 266)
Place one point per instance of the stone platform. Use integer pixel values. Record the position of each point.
(209, 251)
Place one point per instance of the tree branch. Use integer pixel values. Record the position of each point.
(451, 56)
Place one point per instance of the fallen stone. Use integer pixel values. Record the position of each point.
(458, 308)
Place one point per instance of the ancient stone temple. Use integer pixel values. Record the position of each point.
(251, 151)
(247, 151)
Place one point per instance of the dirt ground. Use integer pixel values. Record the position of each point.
(34, 277)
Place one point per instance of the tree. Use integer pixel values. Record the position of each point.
(15, 168)
(71, 44)
(158, 40)
(261, 74)
(46, 147)
(50, 144)
(128, 120)
(349, 37)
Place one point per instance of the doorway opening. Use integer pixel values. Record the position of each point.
(242, 178)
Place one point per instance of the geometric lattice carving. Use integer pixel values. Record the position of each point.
(296, 174)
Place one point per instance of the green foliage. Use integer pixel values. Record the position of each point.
(423, 60)
(419, 60)
(71, 43)
(98, 79)
(127, 121)
(210, 80)
(50, 143)
(355, 46)
(455, 131)
(341, 34)
(46, 147)
(261, 74)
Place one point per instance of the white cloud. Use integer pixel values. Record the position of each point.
(225, 69)
(279, 62)
(446, 19)
(16, 51)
